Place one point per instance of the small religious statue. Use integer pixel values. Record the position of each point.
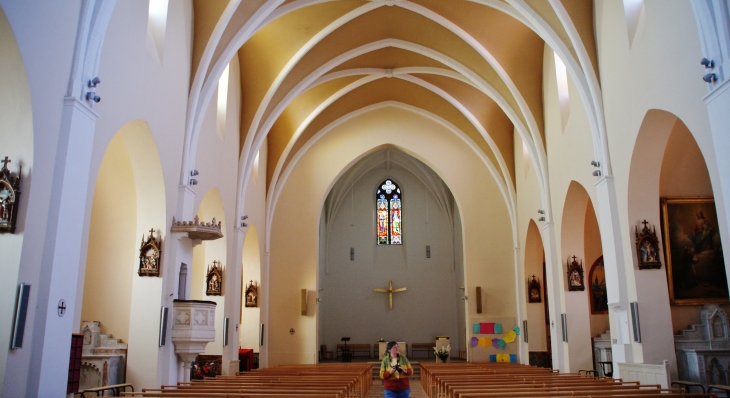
(214, 279)
(9, 196)
(575, 275)
(647, 247)
(252, 294)
(150, 254)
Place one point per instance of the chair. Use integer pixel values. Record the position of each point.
(607, 368)
(323, 353)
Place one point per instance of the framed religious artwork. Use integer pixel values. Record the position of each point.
(252, 294)
(647, 247)
(597, 286)
(150, 254)
(575, 275)
(214, 279)
(9, 197)
(533, 290)
(693, 252)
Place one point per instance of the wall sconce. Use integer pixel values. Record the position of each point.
(91, 95)
(540, 211)
(707, 63)
(479, 299)
(193, 181)
(596, 173)
(428, 251)
(524, 330)
(635, 321)
(541, 219)
(194, 173)
(303, 301)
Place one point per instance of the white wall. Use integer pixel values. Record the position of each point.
(488, 249)
(349, 305)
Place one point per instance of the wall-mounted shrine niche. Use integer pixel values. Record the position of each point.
(575, 275)
(9, 195)
(150, 254)
(252, 294)
(647, 247)
(533, 290)
(214, 279)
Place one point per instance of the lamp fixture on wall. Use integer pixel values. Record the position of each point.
(243, 224)
(707, 63)
(91, 95)
(541, 211)
(193, 181)
(708, 78)
(595, 163)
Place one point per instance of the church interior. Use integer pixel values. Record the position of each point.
(539, 182)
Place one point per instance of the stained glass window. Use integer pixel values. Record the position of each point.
(389, 213)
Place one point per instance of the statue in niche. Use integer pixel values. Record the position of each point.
(150, 253)
(575, 275)
(252, 294)
(214, 279)
(9, 191)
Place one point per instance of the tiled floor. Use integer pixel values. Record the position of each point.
(416, 390)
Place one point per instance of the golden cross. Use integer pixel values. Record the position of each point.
(390, 292)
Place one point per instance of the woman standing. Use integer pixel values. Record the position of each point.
(395, 370)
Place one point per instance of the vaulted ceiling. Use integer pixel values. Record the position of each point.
(304, 64)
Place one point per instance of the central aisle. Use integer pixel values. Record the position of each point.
(416, 390)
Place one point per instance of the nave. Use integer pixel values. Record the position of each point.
(450, 380)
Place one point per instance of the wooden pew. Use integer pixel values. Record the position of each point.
(310, 381)
(520, 381)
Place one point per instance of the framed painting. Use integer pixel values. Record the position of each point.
(647, 247)
(693, 252)
(597, 286)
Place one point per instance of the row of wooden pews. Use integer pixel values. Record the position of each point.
(311, 381)
(507, 380)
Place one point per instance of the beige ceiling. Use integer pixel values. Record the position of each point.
(473, 63)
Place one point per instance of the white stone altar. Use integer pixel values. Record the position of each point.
(383, 345)
(602, 352)
(103, 358)
(703, 349)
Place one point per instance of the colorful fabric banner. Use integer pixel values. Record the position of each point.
(493, 358)
(495, 343)
(497, 328)
(509, 337)
(516, 329)
(484, 342)
(513, 358)
(502, 344)
(476, 329)
(474, 341)
(502, 357)
(486, 328)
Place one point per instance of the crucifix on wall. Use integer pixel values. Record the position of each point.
(390, 292)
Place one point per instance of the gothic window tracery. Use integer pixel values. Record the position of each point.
(389, 213)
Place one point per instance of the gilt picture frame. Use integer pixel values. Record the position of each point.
(693, 251)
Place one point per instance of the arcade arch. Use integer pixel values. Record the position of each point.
(16, 136)
(204, 254)
(581, 242)
(128, 201)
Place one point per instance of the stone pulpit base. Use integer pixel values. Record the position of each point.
(193, 328)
